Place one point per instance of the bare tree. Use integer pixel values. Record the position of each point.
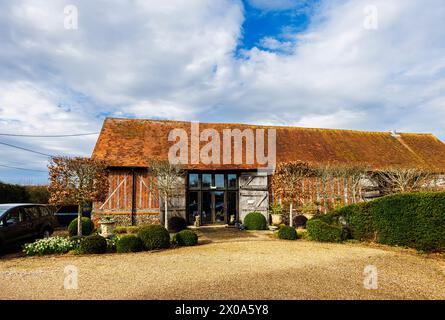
(77, 180)
(288, 182)
(168, 178)
(402, 179)
(325, 174)
(356, 174)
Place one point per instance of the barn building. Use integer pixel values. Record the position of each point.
(221, 191)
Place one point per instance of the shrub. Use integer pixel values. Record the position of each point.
(287, 233)
(87, 227)
(186, 238)
(93, 244)
(414, 220)
(154, 237)
(357, 217)
(120, 230)
(255, 221)
(299, 221)
(53, 245)
(319, 230)
(176, 224)
(129, 243)
(132, 229)
(111, 243)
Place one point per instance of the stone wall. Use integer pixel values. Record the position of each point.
(125, 219)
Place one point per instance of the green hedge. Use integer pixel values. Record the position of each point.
(154, 237)
(129, 243)
(93, 244)
(255, 221)
(87, 227)
(186, 238)
(13, 193)
(319, 230)
(414, 220)
(287, 233)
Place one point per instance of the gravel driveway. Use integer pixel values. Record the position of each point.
(252, 266)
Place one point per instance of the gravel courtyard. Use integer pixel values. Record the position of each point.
(241, 266)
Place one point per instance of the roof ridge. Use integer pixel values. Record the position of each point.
(269, 126)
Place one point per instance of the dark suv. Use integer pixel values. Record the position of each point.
(21, 222)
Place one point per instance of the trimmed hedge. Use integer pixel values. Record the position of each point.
(255, 221)
(319, 230)
(287, 233)
(129, 243)
(186, 238)
(87, 227)
(176, 224)
(414, 220)
(13, 193)
(154, 237)
(93, 244)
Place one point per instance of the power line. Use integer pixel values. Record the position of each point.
(25, 149)
(20, 168)
(49, 136)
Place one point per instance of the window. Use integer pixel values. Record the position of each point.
(206, 180)
(44, 211)
(14, 216)
(32, 212)
(193, 205)
(232, 181)
(219, 181)
(193, 180)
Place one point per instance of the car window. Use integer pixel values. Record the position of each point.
(30, 212)
(14, 216)
(43, 211)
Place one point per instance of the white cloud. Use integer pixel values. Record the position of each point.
(175, 59)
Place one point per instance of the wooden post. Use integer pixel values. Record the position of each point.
(290, 214)
(165, 213)
(79, 220)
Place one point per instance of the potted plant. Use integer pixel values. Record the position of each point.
(107, 226)
(276, 212)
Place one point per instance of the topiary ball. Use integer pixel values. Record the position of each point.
(129, 243)
(186, 238)
(255, 221)
(287, 233)
(93, 244)
(154, 237)
(87, 227)
(176, 224)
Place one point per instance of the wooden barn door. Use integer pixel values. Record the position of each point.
(254, 194)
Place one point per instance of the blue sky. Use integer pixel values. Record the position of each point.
(277, 22)
(285, 62)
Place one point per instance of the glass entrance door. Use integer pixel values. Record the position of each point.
(213, 196)
(207, 207)
(213, 207)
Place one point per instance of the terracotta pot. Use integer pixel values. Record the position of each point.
(277, 219)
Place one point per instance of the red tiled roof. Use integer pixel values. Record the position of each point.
(133, 142)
